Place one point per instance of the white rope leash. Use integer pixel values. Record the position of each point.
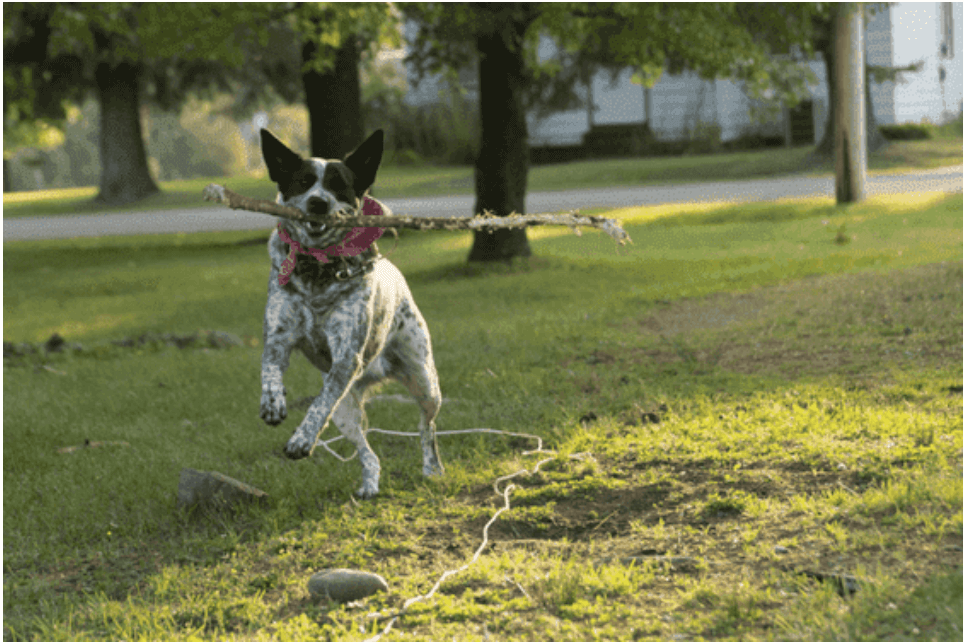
(440, 433)
(485, 530)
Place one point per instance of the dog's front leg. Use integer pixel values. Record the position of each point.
(348, 331)
(282, 328)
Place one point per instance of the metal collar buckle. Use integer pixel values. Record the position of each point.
(346, 273)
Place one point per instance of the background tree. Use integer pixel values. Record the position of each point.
(714, 40)
(824, 44)
(121, 52)
(35, 91)
(335, 39)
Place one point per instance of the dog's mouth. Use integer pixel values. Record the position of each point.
(314, 227)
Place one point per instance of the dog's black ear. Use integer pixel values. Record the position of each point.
(364, 161)
(280, 160)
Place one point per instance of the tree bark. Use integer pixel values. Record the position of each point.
(334, 102)
(502, 167)
(124, 176)
(850, 131)
(825, 148)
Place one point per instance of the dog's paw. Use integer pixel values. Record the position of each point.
(367, 490)
(274, 408)
(299, 446)
(433, 469)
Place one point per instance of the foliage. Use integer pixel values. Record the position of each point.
(376, 24)
(908, 131)
(712, 39)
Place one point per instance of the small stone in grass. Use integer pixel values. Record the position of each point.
(781, 550)
(345, 585)
(214, 490)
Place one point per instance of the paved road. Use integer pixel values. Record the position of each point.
(211, 218)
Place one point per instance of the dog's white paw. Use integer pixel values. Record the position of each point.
(274, 408)
(433, 469)
(299, 446)
(368, 489)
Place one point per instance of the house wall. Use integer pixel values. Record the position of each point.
(917, 37)
(896, 35)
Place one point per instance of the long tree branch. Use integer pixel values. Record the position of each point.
(486, 222)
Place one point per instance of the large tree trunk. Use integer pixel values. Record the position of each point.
(851, 112)
(502, 167)
(825, 148)
(124, 177)
(334, 102)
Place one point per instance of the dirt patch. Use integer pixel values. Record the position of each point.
(847, 324)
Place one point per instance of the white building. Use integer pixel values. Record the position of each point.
(898, 35)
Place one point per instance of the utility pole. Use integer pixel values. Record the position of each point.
(850, 134)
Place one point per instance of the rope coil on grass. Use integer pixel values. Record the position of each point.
(392, 618)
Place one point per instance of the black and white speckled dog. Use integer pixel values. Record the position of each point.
(354, 318)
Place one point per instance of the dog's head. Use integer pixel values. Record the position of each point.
(318, 187)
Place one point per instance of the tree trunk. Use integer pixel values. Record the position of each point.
(334, 102)
(6, 176)
(502, 167)
(825, 148)
(850, 130)
(124, 177)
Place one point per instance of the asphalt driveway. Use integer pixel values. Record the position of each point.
(217, 218)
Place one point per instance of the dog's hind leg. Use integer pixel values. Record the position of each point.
(350, 418)
(424, 387)
(415, 368)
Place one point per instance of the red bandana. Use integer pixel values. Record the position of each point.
(358, 240)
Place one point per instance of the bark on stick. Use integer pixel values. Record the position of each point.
(486, 222)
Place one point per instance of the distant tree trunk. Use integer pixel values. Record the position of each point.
(850, 130)
(502, 166)
(6, 176)
(825, 148)
(334, 102)
(124, 177)
(825, 47)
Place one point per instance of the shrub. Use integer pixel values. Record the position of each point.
(908, 131)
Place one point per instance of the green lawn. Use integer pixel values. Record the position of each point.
(401, 182)
(740, 378)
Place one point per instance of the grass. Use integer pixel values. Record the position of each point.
(735, 381)
(404, 182)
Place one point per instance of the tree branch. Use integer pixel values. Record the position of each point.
(486, 222)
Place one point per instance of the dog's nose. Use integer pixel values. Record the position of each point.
(317, 206)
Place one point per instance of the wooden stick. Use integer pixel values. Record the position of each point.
(487, 222)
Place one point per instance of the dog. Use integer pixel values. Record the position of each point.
(354, 317)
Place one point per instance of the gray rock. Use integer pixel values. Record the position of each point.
(781, 550)
(214, 490)
(345, 585)
(844, 584)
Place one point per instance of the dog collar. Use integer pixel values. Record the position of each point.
(357, 241)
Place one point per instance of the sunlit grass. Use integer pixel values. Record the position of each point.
(736, 379)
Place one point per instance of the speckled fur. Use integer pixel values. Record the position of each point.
(358, 331)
